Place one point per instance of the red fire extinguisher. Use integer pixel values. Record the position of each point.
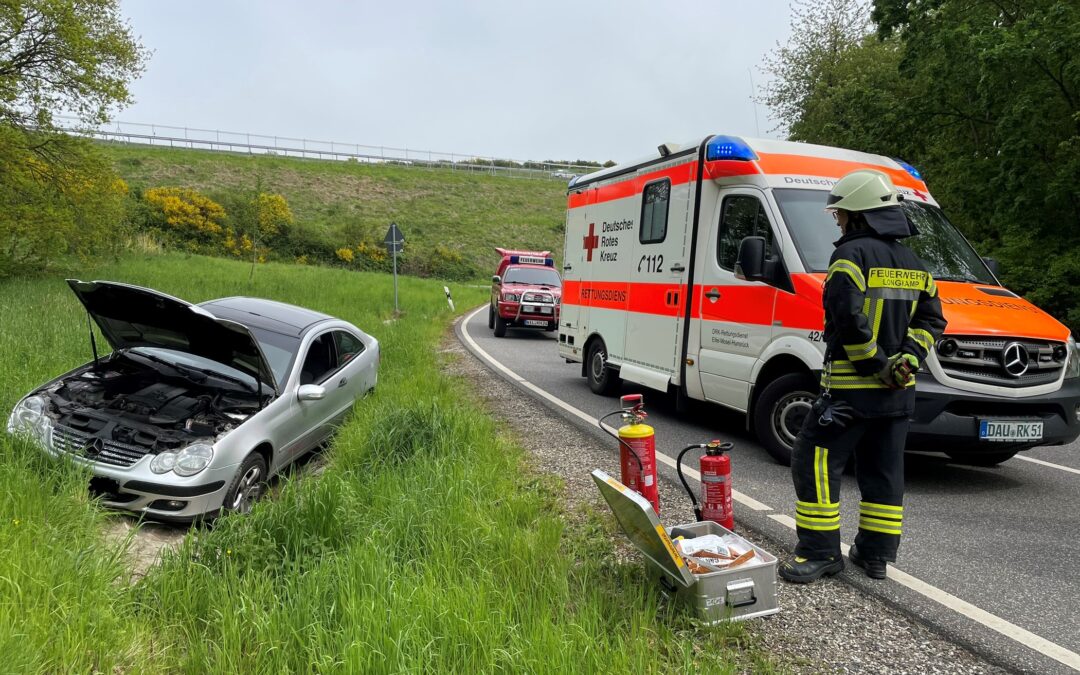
(637, 449)
(715, 469)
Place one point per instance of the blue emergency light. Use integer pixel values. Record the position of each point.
(910, 169)
(729, 147)
(531, 260)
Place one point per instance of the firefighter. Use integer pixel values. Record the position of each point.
(882, 316)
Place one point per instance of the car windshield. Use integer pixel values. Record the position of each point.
(534, 276)
(940, 246)
(280, 350)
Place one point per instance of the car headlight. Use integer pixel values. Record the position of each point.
(193, 459)
(29, 418)
(163, 462)
(510, 297)
(188, 462)
(1072, 368)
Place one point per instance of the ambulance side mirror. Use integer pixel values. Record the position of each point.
(751, 263)
(993, 265)
(496, 279)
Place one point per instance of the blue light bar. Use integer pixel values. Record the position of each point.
(728, 147)
(910, 169)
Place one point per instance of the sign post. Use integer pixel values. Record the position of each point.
(394, 242)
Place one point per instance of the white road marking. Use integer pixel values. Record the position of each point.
(1049, 464)
(944, 598)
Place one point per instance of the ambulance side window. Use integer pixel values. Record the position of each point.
(741, 216)
(654, 210)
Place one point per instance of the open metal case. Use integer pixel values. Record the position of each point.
(725, 595)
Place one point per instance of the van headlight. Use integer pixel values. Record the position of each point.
(29, 418)
(188, 462)
(1072, 368)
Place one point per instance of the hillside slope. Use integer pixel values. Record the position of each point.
(344, 203)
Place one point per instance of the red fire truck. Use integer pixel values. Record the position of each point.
(526, 292)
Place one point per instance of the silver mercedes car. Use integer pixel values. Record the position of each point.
(197, 405)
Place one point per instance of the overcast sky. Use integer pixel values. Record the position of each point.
(597, 80)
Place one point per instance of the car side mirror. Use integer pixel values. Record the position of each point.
(496, 279)
(993, 265)
(310, 392)
(751, 265)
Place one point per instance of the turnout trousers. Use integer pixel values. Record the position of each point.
(817, 465)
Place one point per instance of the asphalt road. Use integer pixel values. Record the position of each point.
(1004, 541)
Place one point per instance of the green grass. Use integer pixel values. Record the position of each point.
(426, 545)
(466, 212)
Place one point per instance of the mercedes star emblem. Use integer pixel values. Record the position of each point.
(1015, 359)
(94, 447)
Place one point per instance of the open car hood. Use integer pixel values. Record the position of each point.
(131, 316)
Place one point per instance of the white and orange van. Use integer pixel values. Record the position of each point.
(699, 270)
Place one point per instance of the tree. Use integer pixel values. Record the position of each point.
(984, 97)
(821, 32)
(75, 56)
(58, 196)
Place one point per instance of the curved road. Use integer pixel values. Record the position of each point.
(990, 557)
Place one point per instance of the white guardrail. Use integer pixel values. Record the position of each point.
(248, 143)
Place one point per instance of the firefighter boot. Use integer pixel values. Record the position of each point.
(799, 570)
(875, 569)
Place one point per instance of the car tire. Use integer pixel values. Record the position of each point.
(602, 378)
(981, 458)
(247, 485)
(491, 316)
(500, 326)
(554, 325)
(780, 411)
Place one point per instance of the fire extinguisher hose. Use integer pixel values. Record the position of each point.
(678, 469)
(633, 453)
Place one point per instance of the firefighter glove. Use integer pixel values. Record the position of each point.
(903, 369)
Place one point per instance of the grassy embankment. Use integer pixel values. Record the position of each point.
(343, 203)
(426, 545)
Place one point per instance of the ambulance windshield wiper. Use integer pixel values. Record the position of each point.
(957, 277)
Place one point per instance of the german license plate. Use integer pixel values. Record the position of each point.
(535, 322)
(1010, 430)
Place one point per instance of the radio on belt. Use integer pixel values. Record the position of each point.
(717, 574)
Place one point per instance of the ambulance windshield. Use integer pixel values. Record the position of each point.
(946, 253)
(533, 276)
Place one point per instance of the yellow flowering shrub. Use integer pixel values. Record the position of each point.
(345, 254)
(186, 210)
(373, 252)
(272, 212)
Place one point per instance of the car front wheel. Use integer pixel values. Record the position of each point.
(780, 412)
(248, 485)
(500, 326)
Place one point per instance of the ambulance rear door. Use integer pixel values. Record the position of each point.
(736, 316)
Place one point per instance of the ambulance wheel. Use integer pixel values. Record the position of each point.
(981, 458)
(602, 379)
(780, 412)
(500, 326)
(491, 316)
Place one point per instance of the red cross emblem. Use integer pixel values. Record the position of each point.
(591, 241)
(919, 195)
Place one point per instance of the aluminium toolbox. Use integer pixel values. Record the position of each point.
(741, 593)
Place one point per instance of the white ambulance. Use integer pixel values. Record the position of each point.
(699, 269)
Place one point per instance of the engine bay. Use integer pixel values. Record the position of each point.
(143, 408)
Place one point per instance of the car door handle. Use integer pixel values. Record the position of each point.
(568, 267)
(342, 382)
(677, 267)
(713, 294)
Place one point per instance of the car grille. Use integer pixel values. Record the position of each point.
(541, 298)
(96, 449)
(981, 359)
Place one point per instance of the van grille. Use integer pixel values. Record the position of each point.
(1003, 362)
(94, 448)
